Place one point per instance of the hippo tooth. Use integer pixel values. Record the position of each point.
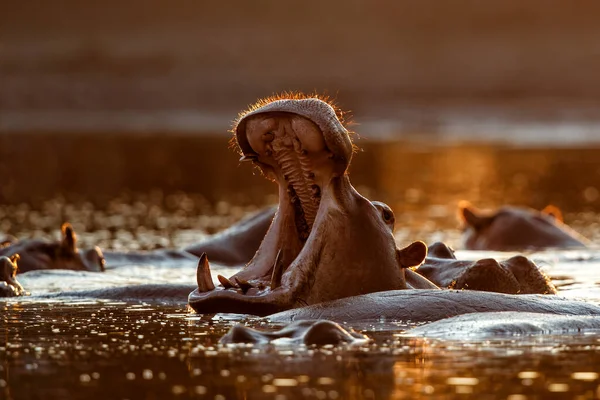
(249, 157)
(277, 271)
(227, 284)
(205, 283)
(243, 284)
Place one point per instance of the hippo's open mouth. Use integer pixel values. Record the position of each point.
(326, 240)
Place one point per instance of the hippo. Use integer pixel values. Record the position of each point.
(474, 325)
(319, 333)
(9, 286)
(326, 241)
(515, 275)
(39, 254)
(516, 228)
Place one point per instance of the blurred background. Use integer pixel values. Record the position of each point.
(495, 102)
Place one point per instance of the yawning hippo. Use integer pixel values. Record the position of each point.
(326, 240)
(39, 254)
(516, 228)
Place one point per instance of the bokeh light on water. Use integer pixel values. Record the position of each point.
(116, 350)
(92, 349)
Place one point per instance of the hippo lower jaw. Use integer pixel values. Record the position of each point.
(326, 240)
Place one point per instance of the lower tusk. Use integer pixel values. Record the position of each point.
(227, 284)
(243, 284)
(203, 277)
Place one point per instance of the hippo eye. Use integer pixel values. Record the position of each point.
(387, 216)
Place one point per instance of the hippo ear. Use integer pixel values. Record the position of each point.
(554, 212)
(69, 241)
(412, 255)
(470, 216)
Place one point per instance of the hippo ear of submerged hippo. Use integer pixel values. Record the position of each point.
(14, 259)
(69, 241)
(473, 217)
(317, 111)
(412, 255)
(553, 212)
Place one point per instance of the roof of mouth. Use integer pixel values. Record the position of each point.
(317, 108)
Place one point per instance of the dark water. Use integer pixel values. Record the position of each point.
(104, 350)
(162, 191)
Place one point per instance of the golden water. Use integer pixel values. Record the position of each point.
(105, 349)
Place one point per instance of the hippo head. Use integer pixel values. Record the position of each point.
(516, 228)
(326, 241)
(62, 254)
(68, 256)
(8, 275)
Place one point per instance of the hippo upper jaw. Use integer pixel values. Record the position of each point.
(326, 240)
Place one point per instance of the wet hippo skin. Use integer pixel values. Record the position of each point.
(302, 332)
(487, 324)
(516, 228)
(477, 325)
(431, 305)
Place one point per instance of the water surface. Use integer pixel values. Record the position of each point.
(90, 348)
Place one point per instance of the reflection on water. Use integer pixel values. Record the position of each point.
(180, 190)
(111, 350)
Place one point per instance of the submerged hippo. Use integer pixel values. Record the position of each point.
(516, 228)
(39, 254)
(9, 286)
(516, 275)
